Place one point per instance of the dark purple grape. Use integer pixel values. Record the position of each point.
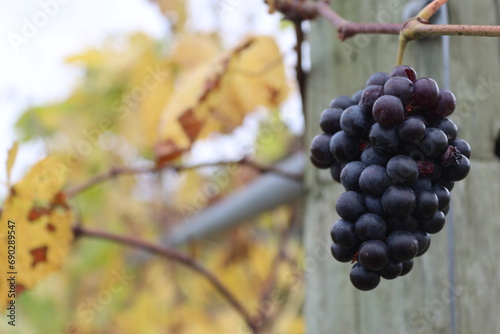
(398, 202)
(463, 147)
(445, 183)
(364, 279)
(374, 180)
(409, 223)
(343, 147)
(371, 157)
(402, 170)
(373, 254)
(449, 128)
(349, 177)
(443, 195)
(400, 87)
(350, 206)
(391, 270)
(320, 149)
(374, 205)
(427, 204)
(370, 226)
(335, 170)
(437, 170)
(355, 123)
(378, 78)
(343, 234)
(434, 143)
(342, 102)
(357, 96)
(445, 105)
(412, 129)
(434, 224)
(388, 111)
(384, 140)
(403, 245)
(318, 164)
(446, 210)
(407, 267)
(370, 95)
(404, 71)
(423, 183)
(343, 254)
(329, 121)
(424, 241)
(426, 92)
(458, 172)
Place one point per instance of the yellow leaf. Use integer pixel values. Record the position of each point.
(223, 90)
(11, 158)
(175, 11)
(41, 227)
(205, 46)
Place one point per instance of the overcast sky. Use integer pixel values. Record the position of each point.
(36, 37)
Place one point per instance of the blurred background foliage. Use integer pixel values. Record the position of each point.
(146, 102)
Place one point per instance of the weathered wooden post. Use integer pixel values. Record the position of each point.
(423, 301)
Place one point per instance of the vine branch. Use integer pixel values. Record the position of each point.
(124, 170)
(173, 255)
(414, 28)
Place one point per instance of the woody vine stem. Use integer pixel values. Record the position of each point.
(415, 28)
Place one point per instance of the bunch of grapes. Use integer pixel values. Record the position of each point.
(396, 152)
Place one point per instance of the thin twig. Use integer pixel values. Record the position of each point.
(123, 170)
(176, 256)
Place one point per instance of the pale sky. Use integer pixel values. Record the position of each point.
(36, 37)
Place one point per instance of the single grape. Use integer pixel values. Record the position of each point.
(445, 183)
(355, 123)
(373, 204)
(378, 78)
(384, 140)
(426, 92)
(423, 183)
(400, 87)
(357, 96)
(388, 111)
(318, 164)
(329, 121)
(427, 204)
(433, 224)
(443, 195)
(320, 149)
(398, 202)
(349, 177)
(371, 157)
(342, 102)
(370, 95)
(373, 254)
(434, 143)
(343, 147)
(370, 226)
(335, 170)
(350, 206)
(407, 267)
(391, 270)
(449, 128)
(412, 129)
(463, 147)
(343, 234)
(364, 279)
(404, 71)
(424, 241)
(403, 245)
(458, 172)
(444, 106)
(402, 170)
(343, 254)
(374, 180)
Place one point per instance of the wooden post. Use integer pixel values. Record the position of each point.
(421, 301)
